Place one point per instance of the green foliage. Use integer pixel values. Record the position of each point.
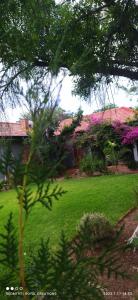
(91, 164)
(51, 151)
(57, 115)
(12, 168)
(125, 154)
(135, 243)
(103, 142)
(22, 174)
(6, 163)
(8, 255)
(41, 262)
(2, 182)
(105, 136)
(111, 154)
(132, 164)
(131, 90)
(95, 229)
(68, 130)
(91, 193)
(8, 248)
(92, 39)
(71, 277)
(67, 273)
(18, 171)
(43, 195)
(60, 36)
(105, 107)
(136, 197)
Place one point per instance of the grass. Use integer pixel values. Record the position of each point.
(112, 195)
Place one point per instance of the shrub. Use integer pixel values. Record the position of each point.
(1, 185)
(91, 164)
(111, 153)
(135, 243)
(132, 165)
(94, 229)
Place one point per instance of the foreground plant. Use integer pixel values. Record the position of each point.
(22, 176)
(66, 274)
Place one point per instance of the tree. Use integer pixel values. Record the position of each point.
(105, 107)
(131, 90)
(94, 40)
(58, 115)
(52, 150)
(6, 163)
(52, 154)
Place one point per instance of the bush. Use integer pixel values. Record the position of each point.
(95, 229)
(90, 164)
(132, 164)
(135, 243)
(1, 185)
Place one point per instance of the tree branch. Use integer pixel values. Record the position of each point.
(133, 75)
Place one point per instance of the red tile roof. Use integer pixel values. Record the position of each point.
(13, 129)
(121, 114)
(67, 122)
(19, 129)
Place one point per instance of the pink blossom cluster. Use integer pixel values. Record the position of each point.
(131, 136)
(96, 120)
(127, 133)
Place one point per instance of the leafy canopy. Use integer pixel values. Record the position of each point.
(95, 40)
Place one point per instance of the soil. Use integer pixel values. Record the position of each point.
(121, 169)
(76, 173)
(118, 289)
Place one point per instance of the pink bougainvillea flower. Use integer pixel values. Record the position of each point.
(131, 136)
(96, 120)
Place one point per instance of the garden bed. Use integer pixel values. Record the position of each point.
(127, 288)
(119, 169)
(119, 288)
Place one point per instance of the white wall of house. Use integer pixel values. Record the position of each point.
(135, 151)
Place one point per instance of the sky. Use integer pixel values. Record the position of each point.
(115, 95)
(72, 103)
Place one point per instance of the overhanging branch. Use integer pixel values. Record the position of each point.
(133, 75)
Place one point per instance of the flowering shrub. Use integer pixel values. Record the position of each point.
(96, 120)
(120, 128)
(128, 133)
(131, 136)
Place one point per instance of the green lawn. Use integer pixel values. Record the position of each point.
(113, 195)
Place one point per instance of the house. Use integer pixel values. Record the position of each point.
(121, 114)
(15, 133)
